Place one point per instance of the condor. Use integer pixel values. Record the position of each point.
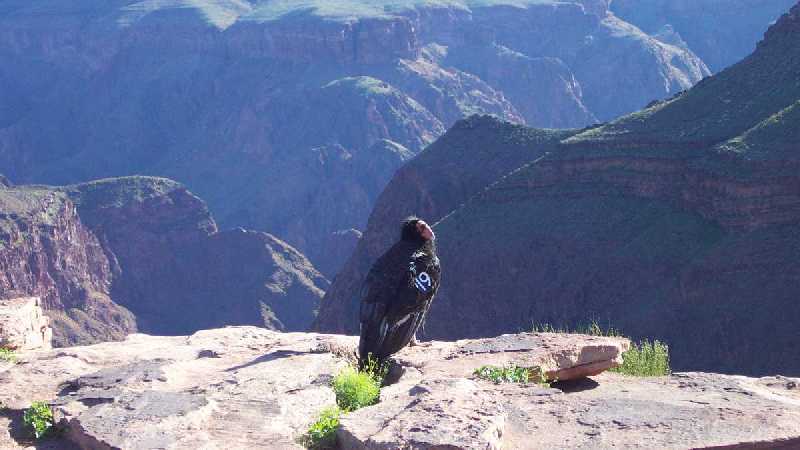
(398, 291)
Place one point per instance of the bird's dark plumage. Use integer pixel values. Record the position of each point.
(397, 294)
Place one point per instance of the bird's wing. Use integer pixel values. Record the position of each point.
(381, 283)
(377, 295)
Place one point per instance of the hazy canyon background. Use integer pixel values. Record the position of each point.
(282, 124)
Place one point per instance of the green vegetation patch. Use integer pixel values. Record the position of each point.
(513, 374)
(118, 192)
(8, 355)
(322, 433)
(347, 10)
(39, 419)
(355, 389)
(508, 374)
(645, 359)
(367, 86)
(592, 329)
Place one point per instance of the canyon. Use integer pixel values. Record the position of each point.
(292, 119)
(675, 222)
(113, 256)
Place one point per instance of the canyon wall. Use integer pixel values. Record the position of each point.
(676, 222)
(292, 119)
(114, 256)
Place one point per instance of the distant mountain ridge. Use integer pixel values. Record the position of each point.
(290, 117)
(676, 222)
(720, 32)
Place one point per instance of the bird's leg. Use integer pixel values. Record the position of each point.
(416, 343)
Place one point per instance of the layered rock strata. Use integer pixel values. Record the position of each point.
(458, 166)
(47, 251)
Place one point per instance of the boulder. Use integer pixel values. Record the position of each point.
(23, 325)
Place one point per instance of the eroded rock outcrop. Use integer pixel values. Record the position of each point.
(247, 387)
(23, 325)
(48, 252)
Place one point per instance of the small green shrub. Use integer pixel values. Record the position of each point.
(39, 418)
(355, 389)
(322, 433)
(375, 369)
(511, 374)
(645, 359)
(7, 355)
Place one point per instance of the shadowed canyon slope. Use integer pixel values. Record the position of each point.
(112, 256)
(290, 117)
(678, 221)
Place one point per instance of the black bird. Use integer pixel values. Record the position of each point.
(398, 292)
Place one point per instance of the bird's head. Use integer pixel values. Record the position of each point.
(416, 229)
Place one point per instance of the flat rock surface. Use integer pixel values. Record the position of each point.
(681, 411)
(246, 387)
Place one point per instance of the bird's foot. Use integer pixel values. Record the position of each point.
(415, 343)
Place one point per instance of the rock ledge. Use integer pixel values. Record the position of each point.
(246, 387)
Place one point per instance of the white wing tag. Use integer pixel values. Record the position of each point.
(423, 282)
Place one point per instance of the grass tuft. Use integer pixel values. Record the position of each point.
(322, 433)
(355, 389)
(39, 419)
(8, 355)
(592, 329)
(511, 374)
(645, 359)
(375, 369)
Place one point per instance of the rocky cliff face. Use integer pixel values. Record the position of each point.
(220, 95)
(675, 222)
(47, 251)
(246, 387)
(459, 165)
(151, 246)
